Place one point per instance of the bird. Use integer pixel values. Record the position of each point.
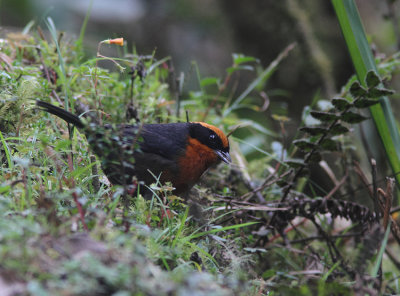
(171, 152)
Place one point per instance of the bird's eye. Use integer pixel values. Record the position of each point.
(212, 137)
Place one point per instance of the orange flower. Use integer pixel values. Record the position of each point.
(117, 41)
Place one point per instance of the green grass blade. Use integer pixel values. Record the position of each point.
(264, 76)
(178, 234)
(215, 230)
(325, 277)
(79, 42)
(378, 262)
(363, 61)
(7, 151)
(53, 32)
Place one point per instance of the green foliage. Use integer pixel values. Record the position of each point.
(259, 227)
(48, 195)
(364, 65)
(332, 122)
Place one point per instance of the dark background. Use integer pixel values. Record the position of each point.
(208, 32)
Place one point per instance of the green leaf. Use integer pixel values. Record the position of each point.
(329, 144)
(324, 116)
(304, 144)
(62, 145)
(295, 163)
(379, 92)
(315, 157)
(157, 64)
(4, 189)
(338, 129)
(341, 104)
(268, 273)
(240, 59)
(7, 151)
(209, 81)
(372, 80)
(364, 103)
(81, 170)
(231, 70)
(356, 90)
(351, 117)
(313, 131)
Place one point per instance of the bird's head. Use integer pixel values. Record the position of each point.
(213, 138)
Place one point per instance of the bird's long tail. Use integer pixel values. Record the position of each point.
(63, 114)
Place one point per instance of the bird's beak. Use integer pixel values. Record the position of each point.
(224, 156)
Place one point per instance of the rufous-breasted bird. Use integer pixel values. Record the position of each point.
(175, 152)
